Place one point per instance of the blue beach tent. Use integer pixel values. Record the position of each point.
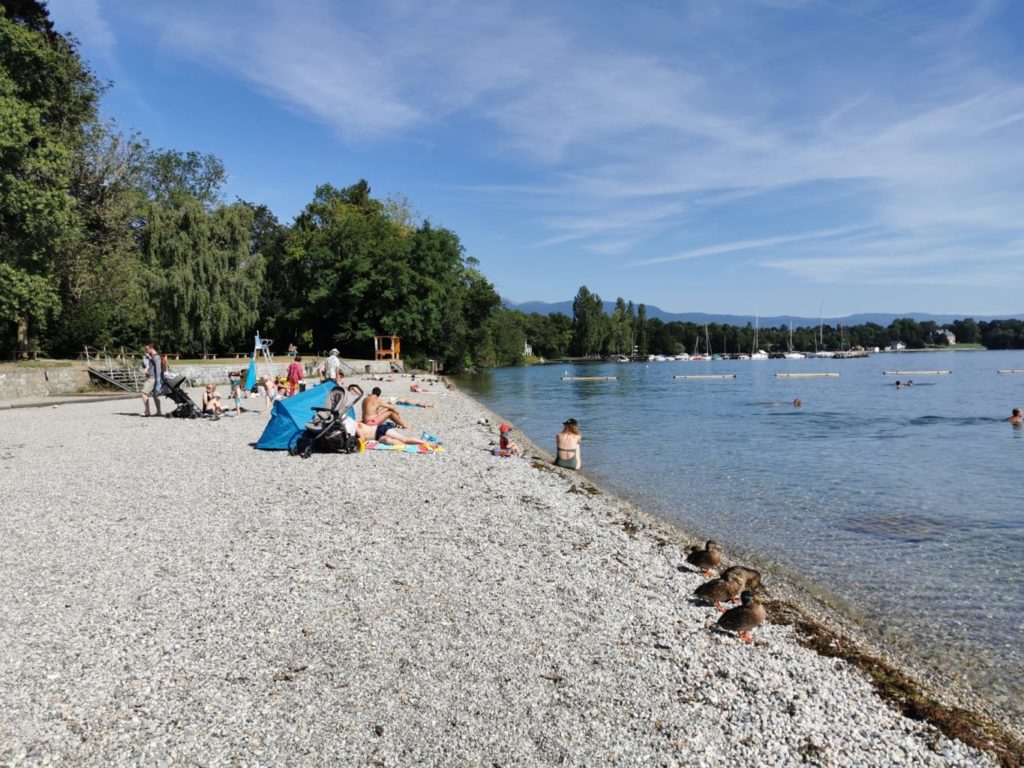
(288, 417)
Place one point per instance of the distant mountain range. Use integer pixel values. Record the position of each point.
(882, 318)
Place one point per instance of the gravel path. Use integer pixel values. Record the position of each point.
(171, 596)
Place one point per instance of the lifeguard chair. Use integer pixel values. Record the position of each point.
(387, 348)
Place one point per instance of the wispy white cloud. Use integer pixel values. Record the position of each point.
(747, 245)
(86, 22)
(697, 120)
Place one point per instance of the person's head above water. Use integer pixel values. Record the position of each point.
(797, 403)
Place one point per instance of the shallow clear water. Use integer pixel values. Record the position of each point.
(907, 505)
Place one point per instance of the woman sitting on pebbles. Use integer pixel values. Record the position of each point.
(211, 401)
(567, 446)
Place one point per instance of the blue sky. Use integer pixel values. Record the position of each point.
(732, 156)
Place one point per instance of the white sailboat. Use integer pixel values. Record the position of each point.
(755, 353)
(792, 354)
(697, 356)
(819, 343)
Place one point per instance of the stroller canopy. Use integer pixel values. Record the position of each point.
(288, 417)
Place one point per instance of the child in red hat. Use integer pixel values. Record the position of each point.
(505, 446)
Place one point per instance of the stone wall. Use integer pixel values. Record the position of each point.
(217, 373)
(16, 383)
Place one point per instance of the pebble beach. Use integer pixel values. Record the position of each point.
(172, 596)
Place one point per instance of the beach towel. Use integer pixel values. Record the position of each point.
(373, 445)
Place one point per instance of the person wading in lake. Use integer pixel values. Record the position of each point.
(567, 446)
(1015, 417)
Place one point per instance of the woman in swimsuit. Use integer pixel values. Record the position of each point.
(567, 446)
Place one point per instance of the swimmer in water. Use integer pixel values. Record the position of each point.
(797, 403)
(1015, 417)
(899, 384)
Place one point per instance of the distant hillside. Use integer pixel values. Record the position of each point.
(882, 318)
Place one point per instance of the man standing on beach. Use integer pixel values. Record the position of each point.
(152, 369)
(332, 369)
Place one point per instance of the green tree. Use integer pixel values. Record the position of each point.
(641, 329)
(588, 322)
(357, 270)
(206, 280)
(172, 177)
(966, 331)
(619, 329)
(47, 96)
(102, 282)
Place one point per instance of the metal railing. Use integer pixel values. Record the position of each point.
(122, 370)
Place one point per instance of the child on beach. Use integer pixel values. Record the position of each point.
(505, 445)
(237, 390)
(269, 392)
(296, 373)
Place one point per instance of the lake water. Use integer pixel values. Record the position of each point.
(906, 505)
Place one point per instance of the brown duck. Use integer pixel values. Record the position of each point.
(746, 617)
(719, 590)
(705, 559)
(751, 578)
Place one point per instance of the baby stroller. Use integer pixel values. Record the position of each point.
(332, 429)
(173, 389)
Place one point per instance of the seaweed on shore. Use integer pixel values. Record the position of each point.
(901, 691)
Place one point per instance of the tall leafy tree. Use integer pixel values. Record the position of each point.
(47, 96)
(172, 177)
(588, 322)
(101, 279)
(206, 279)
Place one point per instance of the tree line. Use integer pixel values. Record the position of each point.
(592, 332)
(107, 241)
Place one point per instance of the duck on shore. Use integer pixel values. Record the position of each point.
(751, 578)
(705, 559)
(746, 617)
(719, 590)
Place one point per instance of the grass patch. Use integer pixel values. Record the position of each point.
(902, 692)
(35, 364)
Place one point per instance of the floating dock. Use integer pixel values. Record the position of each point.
(589, 378)
(826, 375)
(707, 376)
(916, 373)
(1011, 370)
